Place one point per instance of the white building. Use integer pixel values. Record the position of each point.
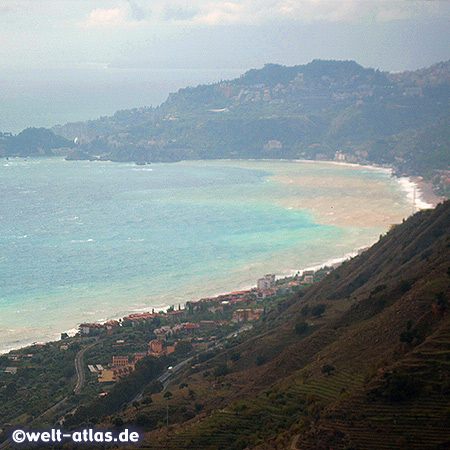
(266, 282)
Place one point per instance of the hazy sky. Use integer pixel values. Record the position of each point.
(221, 34)
(47, 43)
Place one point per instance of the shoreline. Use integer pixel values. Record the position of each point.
(333, 263)
(423, 198)
(425, 193)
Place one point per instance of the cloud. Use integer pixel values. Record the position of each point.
(257, 12)
(177, 12)
(136, 11)
(106, 17)
(126, 13)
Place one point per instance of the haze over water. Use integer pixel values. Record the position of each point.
(84, 241)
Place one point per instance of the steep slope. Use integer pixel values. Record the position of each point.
(373, 372)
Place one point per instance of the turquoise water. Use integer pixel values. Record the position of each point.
(86, 241)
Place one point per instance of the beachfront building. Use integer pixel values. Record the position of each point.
(266, 282)
(91, 328)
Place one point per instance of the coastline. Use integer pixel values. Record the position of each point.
(333, 263)
(425, 192)
(408, 188)
(420, 192)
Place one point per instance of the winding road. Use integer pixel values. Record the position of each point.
(79, 385)
(79, 367)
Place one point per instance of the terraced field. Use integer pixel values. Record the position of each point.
(418, 422)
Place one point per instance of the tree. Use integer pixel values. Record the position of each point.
(318, 310)
(117, 422)
(260, 360)
(301, 327)
(235, 356)
(442, 301)
(153, 387)
(221, 370)
(147, 400)
(183, 348)
(144, 421)
(327, 368)
(304, 311)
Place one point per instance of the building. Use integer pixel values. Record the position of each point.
(114, 374)
(90, 328)
(139, 317)
(111, 326)
(120, 368)
(163, 332)
(158, 348)
(246, 315)
(207, 324)
(190, 327)
(120, 361)
(266, 282)
(84, 328)
(139, 356)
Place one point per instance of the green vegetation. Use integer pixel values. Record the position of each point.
(359, 359)
(372, 373)
(45, 375)
(33, 142)
(301, 327)
(308, 111)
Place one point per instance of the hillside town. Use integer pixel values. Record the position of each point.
(188, 324)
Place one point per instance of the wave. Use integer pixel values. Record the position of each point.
(414, 194)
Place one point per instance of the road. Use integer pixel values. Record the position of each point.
(167, 375)
(79, 385)
(79, 367)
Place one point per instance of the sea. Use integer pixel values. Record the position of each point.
(45, 96)
(92, 241)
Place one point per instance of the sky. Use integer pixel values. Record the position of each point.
(66, 60)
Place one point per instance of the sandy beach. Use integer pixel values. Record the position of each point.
(294, 216)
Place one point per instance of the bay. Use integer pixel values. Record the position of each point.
(83, 241)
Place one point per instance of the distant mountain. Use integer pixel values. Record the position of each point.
(360, 361)
(321, 110)
(33, 142)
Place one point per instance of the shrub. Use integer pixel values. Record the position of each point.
(144, 421)
(318, 310)
(304, 311)
(221, 370)
(301, 327)
(235, 356)
(260, 360)
(328, 368)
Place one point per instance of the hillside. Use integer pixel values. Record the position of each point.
(369, 370)
(321, 110)
(33, 142)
